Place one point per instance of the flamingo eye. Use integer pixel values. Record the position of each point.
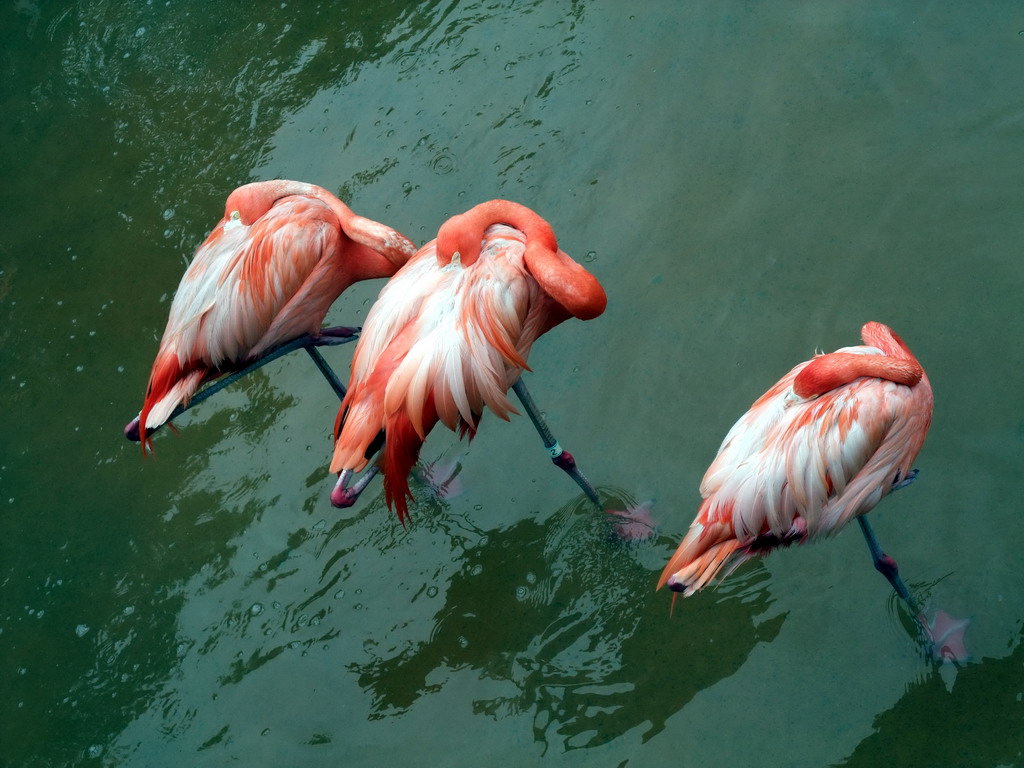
(235, 216)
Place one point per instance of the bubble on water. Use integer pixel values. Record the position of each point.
(431, 591)
(168, 214)
(128, 610)
(462, 641)
(531, 578)
(591, 256)
(255, 609)
(521, 593)
(339, 594)
(94, 751)
(82, 630)
(476, 570)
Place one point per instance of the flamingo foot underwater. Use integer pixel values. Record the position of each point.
(946, 638)
(633, 524)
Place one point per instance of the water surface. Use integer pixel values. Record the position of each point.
(750, 182)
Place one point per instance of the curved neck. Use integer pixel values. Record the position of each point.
(572, 287)
(896, 363)
(883, 337)
(464, 233)
(828, 372)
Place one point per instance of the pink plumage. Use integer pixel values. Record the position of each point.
(821, 447)
(451, 332)
(267, 273)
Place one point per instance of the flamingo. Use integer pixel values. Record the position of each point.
(266, 275)
(821, 447)
(451, 333)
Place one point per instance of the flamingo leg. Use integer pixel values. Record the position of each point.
(944, 635)
(327, 371)
(559, 457)
(885, 565)
(328, 337)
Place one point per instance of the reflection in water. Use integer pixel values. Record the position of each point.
(978, 721)
(601, 665)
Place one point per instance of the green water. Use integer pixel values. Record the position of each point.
(750, 182)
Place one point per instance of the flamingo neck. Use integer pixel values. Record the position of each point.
(464, 233)
(828, 372)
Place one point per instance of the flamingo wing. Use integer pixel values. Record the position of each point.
(236, 286)
(285, 255)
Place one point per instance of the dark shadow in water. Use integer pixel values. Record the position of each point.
(978, 720)
(563, 617)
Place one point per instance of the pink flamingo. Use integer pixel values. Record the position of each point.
(266, 275)
(821, 447)
(451, 333)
